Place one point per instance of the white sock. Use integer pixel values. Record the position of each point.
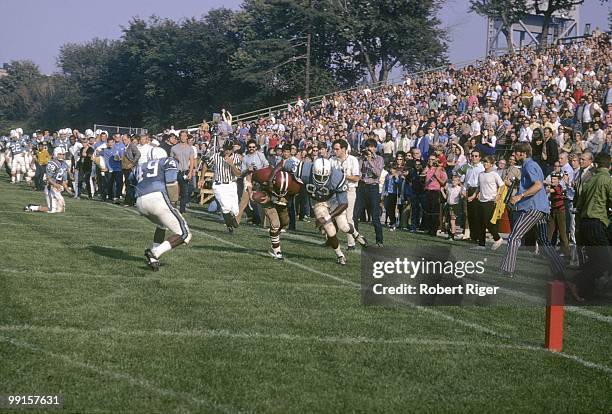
(276, 250)
(161, 249)
(18, 177)
(34, 208)
(339, 252)
(12, 178)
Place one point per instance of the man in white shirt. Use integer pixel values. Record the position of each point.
(525, 132)
(145, 149)
(350, 166)
(470, 172)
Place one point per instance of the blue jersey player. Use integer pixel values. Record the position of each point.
(57, 181)
(156, 190)
(327, 188)
(17, 146)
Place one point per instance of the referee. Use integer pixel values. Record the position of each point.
(226, 169)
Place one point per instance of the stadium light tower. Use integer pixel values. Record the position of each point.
(528, 30)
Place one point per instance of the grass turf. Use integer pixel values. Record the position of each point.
(223, 328)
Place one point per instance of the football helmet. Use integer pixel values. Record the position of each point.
(157, 153)
(321, 171)
(59, 151)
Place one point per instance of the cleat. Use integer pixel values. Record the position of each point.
(380, 244)
(230, 230)
(361, 240)
(276, 256)
(28, 208)
(341, 260)
(151, 260)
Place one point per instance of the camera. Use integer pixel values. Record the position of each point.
(365, 152)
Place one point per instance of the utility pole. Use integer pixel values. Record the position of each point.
(307, 83)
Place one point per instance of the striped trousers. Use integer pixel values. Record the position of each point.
(523, 222)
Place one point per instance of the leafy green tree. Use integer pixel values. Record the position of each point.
(552, 6)
(507, 11)
(384, 34)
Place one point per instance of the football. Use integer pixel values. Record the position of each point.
(259, 197)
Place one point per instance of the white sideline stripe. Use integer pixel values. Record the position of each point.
(451, 318)
(146, 279)
(223, 333)
(118, 375)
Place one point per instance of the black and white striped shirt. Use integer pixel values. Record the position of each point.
(221, 169)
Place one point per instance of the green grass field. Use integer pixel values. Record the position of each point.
(224, 328)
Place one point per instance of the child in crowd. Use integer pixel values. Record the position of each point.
(452, 194)
(556, 220)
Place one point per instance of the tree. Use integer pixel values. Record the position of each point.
(507, 11)
(23, 92)
(553, 6)
(387, 33)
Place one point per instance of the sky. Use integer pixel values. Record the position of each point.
(35, 29)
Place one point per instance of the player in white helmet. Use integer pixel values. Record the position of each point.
(17, 146)
(57, 181)
(326, 185)
(156, 189)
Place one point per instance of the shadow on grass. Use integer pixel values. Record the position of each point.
(114, 253)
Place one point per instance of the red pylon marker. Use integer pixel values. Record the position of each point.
(555, 312)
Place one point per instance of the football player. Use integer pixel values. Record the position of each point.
(270, 193)
(156, 189)
(327, 188)
(57, 181)
(18, 163)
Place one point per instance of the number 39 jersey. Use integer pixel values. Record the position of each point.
(335, 186)
(153, 176)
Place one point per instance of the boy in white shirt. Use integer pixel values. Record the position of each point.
(452, 194)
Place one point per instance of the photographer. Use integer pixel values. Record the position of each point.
(370, 166)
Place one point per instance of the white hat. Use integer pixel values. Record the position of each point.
(14, 134)
(19, 131)
(89, 133)
(98, 132)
